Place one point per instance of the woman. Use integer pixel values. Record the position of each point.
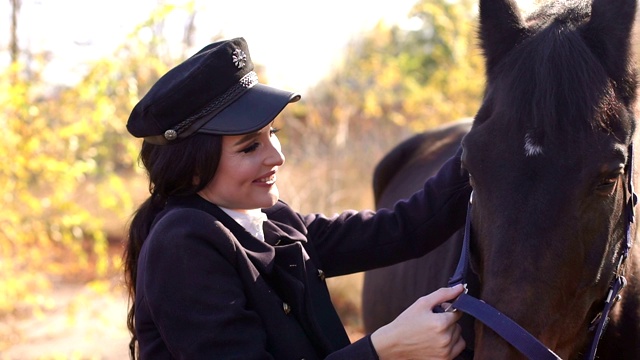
(218, 267)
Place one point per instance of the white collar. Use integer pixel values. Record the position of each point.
(251, 220)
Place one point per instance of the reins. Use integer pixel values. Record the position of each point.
(508, 329)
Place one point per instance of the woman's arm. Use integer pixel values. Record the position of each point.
(357, 241)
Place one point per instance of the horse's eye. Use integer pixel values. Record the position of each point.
(606, 185)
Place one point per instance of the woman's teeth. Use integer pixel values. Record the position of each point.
(268, 180)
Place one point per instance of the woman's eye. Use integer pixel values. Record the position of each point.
(274, 130)
(250, 148)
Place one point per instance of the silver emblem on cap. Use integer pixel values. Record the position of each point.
(239, 58)
(170, 134)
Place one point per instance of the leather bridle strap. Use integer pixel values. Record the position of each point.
(463, 263)
(508, 329)
(619, 281)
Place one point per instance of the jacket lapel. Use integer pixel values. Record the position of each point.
(277, 233)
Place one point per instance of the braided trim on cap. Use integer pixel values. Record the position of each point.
(246, 82)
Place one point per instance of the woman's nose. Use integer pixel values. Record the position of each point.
(275, 156)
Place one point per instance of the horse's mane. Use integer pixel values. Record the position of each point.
(552, 81)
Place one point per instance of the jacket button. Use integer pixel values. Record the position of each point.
(286, 308)
(321, 274)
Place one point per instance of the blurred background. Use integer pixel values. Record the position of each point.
(371, 73)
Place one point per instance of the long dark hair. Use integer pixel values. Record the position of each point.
(178, 169)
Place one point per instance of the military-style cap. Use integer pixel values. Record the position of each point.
(215, 91)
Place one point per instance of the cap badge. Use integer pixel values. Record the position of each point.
(239, 58)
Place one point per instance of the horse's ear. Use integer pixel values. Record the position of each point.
(501, 29)
(609, 34)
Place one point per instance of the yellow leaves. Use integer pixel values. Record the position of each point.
(117, 262)
(59, 152)
(394, 78)
(100, 286)
(64, 154)
(18, 288)
(111, 198)
(371, 106)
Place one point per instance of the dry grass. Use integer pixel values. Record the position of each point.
(346, 295)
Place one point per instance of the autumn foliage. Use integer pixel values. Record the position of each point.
(69, 173)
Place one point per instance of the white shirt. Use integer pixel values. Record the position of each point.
(251, 220)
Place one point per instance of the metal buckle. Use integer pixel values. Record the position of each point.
(450, 308)
(594, 323)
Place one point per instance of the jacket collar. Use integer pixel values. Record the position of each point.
(276, 233)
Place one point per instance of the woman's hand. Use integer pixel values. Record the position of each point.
(419, 333)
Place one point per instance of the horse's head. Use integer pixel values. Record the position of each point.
(548, 156)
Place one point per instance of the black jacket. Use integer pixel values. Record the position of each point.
(207, 289)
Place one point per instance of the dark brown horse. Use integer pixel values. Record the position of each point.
(549, 157)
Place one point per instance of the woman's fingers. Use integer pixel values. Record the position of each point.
(457, 344)
(443, 295)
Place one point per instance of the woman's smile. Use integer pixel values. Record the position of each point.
(268, 179)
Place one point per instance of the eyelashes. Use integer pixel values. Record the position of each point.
(254, 146)
(251, 148)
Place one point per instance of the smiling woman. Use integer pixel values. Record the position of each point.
(218, 266)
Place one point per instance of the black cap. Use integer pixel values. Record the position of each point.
(215, 91)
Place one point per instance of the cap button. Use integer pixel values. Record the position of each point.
(170, 134)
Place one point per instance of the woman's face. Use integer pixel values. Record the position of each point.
(246, 175)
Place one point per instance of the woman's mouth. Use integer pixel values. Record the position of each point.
(268, 180)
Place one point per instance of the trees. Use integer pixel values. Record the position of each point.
(414, 77)
(67, 159)
(393, 81)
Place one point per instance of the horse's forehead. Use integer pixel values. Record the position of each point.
(502, 143)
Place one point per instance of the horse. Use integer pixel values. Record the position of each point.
(549, 156)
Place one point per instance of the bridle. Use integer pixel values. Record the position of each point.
(508, 329)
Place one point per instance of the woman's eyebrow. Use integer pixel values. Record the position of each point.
(247, 137)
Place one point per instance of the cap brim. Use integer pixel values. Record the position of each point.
(252, 111)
